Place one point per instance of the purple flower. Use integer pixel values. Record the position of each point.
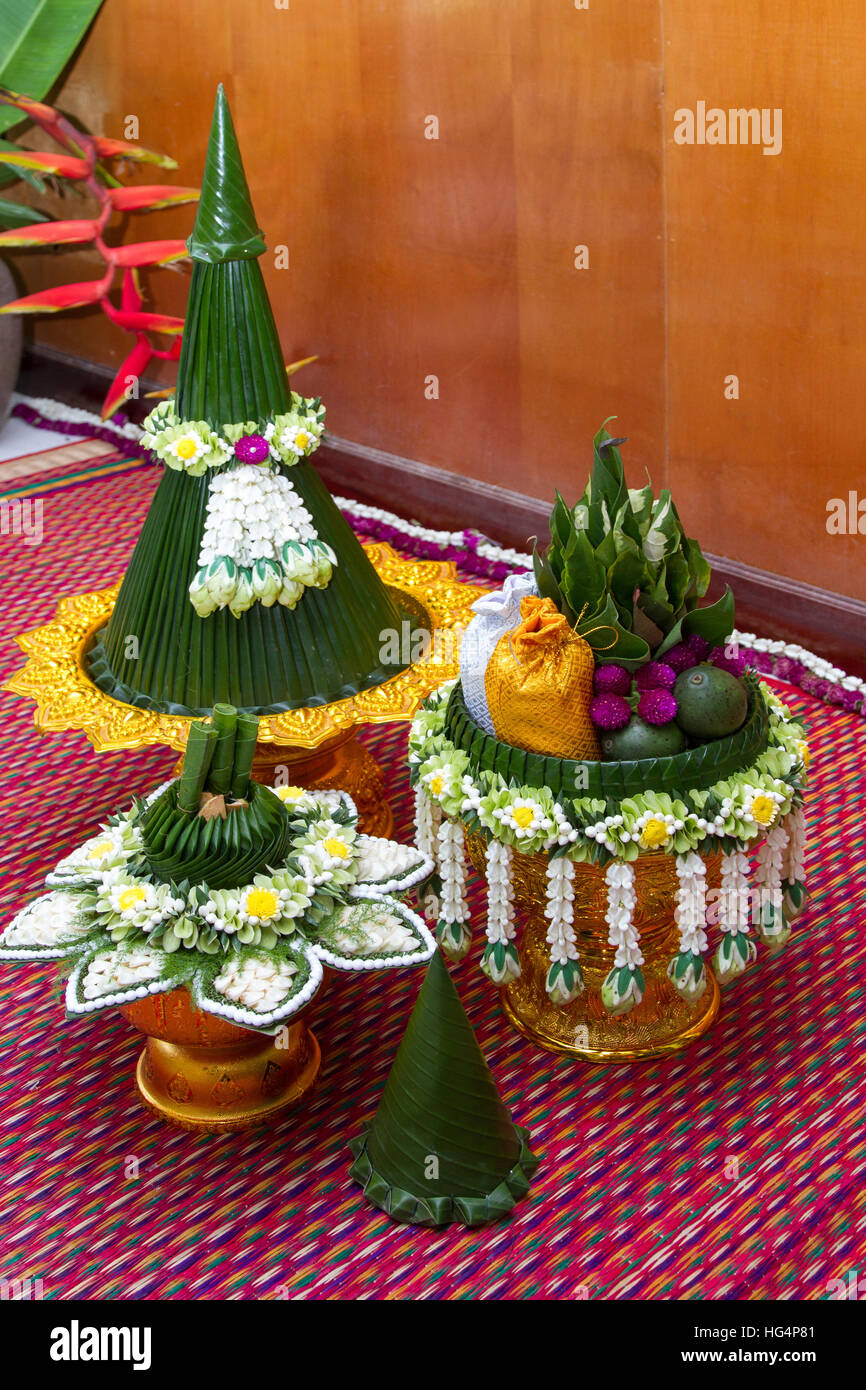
(612, 680)
(851, 701)
(610, 711)
(736, 665)
(787, 669)
(762, 661)
(656, 675)
(680, 658)
(657, 706)
(697, 644)
(252, 448)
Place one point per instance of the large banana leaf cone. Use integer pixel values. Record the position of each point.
(156, 652)
(442, 1147)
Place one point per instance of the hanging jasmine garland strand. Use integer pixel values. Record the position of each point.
(686, 971)
(428, 818)
(772, 927)
(736, 950)
(451, 931)
(794, 880)
(624, 986)
(500, 961)
(564, 979)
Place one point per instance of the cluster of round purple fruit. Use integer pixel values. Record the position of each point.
(647, 698)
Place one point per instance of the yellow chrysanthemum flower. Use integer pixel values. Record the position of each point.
(289, 793)
(523, 815)
(99, 849)
(262, 903)
(338, 849)
(764, 810)
(803, 750)
(436, 784)
(654, 833)
(130, 898)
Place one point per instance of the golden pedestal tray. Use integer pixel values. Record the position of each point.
(316, 746)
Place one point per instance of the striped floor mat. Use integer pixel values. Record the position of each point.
(733, 1171)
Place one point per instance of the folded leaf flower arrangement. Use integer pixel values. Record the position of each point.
(236, 891)
(602, 715)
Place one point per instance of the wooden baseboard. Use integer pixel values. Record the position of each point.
(834, 625)
(831, 624)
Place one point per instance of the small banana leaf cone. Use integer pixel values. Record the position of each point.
(442, 1147)
(232, 370)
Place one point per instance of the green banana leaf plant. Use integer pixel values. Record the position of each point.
(622, 570)
(37, 40)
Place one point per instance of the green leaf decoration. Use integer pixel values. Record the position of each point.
(221, 853)
(269, 659)
(440, 1103)
(696, 768)
(714, 623)
(547, 583)
(627, 546)
(225, 225)
(37, 40)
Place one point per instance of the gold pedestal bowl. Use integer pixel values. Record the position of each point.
(664, 1021)
(202, 1073)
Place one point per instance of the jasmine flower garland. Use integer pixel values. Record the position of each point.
(500, 961)
(193, 447)
(259, 545)
(771, 926)
(686, 971)
(736, 951)
(624, 986)
(451, 931)
(794, 882)
(564, 980)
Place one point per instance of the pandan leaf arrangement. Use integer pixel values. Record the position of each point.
(79, 162)
(619, 559)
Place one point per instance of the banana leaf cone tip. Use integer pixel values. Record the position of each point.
(441, 1146)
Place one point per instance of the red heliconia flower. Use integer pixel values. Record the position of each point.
(80, 162)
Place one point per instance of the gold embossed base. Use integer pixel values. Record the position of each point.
(662, 1023)
(201, 1073)
(55, 673)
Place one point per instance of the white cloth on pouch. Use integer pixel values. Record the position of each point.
(496, 614)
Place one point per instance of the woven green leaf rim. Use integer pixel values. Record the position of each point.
(417, 1209)
(695, 769)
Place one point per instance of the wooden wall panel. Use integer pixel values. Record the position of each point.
(453, 257)
(413, 257)
(766, 282)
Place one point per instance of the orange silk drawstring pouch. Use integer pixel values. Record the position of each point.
(539, 685)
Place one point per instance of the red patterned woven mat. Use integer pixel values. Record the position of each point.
(732, 1171)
